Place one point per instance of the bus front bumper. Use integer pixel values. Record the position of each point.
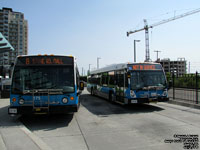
(148, 100)
(42, 110)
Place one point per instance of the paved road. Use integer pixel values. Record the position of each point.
(100, 125)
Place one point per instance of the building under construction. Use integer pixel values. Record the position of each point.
(178, 67)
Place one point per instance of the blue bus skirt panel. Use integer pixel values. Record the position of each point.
(147, 100)
(43, 100)
(55, 104)
(52, 110)
(146, 96)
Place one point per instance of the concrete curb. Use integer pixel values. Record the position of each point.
(2, 144)
(37, 140)
(192, 105)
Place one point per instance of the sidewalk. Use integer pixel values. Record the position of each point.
(13, 134)
(184, 103)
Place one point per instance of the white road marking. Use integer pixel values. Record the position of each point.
(37, 140)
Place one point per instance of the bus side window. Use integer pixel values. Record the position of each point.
(120, 78)
(77, 78)
(98, 80)
(104, 79)
(126, 80)
(111, 78)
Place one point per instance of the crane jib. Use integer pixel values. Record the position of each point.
(146, 28)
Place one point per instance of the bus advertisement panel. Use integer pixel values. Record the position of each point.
(45, 84)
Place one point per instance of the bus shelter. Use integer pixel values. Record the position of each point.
(5, 47)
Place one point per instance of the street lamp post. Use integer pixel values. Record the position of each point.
(135, 49)
(89, 68)
(157, 54)
(98, 62)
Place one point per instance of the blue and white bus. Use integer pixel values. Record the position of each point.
(45, 84)
(129, 83)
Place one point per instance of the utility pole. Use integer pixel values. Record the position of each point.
(98, 62)
(157, 54)
(135, 49)
(89, 69)
(189, 68)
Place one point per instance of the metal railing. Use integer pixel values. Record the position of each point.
(185, 88)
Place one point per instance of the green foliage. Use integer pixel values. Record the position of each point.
(187, 81)
(168, 76)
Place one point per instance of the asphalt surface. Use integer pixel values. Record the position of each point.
(101, 125)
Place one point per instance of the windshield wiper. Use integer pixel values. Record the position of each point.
(146, 88)
(26, 92)
(139, 89)
(158, 87)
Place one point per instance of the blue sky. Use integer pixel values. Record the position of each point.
(89, 29)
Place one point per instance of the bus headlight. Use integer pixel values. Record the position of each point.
(164, 93)
(21, 101)
(132, 94)
(64, 100)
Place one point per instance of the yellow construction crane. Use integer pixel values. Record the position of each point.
(146, 28)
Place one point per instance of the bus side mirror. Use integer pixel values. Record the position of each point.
(81, 87)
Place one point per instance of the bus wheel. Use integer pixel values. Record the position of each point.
(111, 97)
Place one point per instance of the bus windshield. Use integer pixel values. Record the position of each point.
(43, 77)
(147, 79)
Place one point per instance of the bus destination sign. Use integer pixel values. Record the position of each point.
(145, 67)
(45, 60)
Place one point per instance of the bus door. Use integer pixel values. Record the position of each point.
(119, 88)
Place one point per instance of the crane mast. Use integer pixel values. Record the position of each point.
(146, 28)
(147, 55)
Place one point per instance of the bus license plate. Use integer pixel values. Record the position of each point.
(37, 109)
(133, 101)
(152, 100)
(13, 110)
